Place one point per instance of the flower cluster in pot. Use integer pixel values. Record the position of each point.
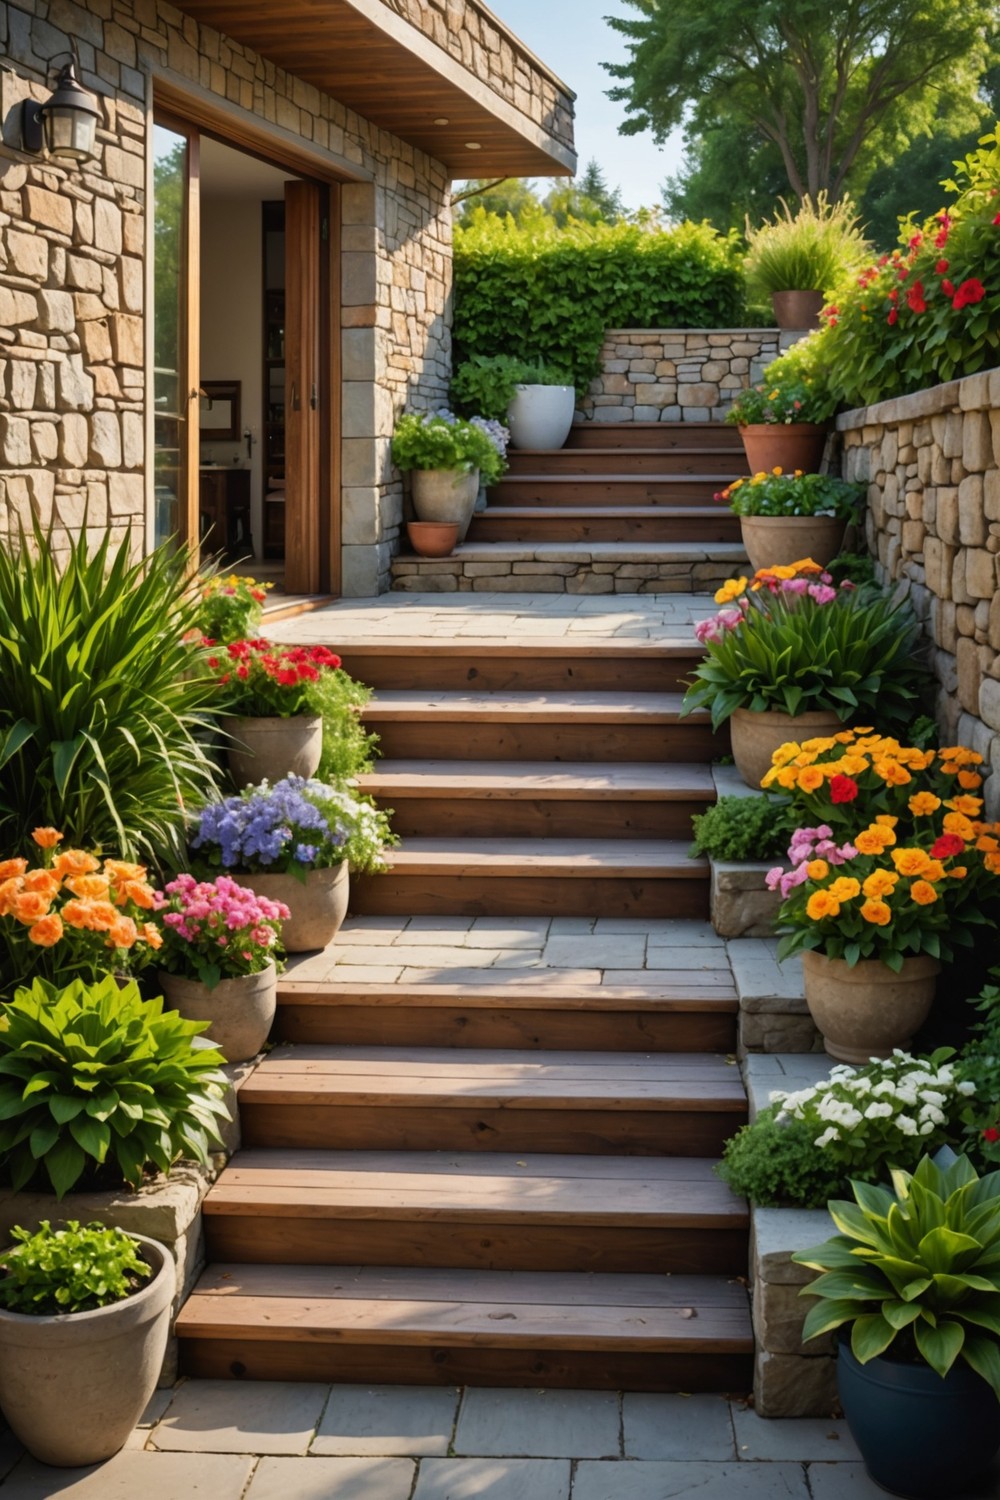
(214, 930)
(789, 639)
(778, 493)
(260, 679)
(231, 607)
(781, 401)
(440, 440)
(892, 857)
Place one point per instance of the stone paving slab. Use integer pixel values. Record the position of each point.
(136, 1476)
(253, 1416)
(762, 983)
(389, 1419)
(331, 1479)
(539, 1424)
(851, 1482)
(677, 1427)
(804, 1439)
(493, 1479)
(707, 1481)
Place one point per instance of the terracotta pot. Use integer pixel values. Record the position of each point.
(797, 310)
(540, 416)
(270, 748)
(773, 541)
(446, 496)
(240, 1010)
(784, 445)
(757, 733)
(73, 1386)
(432, 538)
(318, 907)
(867, 1010)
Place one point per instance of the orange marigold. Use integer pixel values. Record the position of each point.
(93, 916)
(923, 893)
(152, 935)
(136, 891)
(821, 904)
(92, 887)
(817, 869)
(957, 872)
(910, 861)
(892, 773)
(922, 804)
(971, 806)
(74, 862)
(122, 933)
(9, 890)
(970, 781)
(935, 871)
(956, 822)
(992, 863)
(845, 888)
(877, 912)
(810, 778)
(30, 906)
(47, 838)
(47, 931)
(11, 867)
(120, 869)
(42, 881)
(880, 883)
(874, 840)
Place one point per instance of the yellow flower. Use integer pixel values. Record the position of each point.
(968, 805)
(817, 869)
(810, 777)
(876, 912)
(787, 778)
(923, 893)
(922, 804)
(880, 883)
(892, 773)
(910, 861)
(777, 469)
(886, 820)
(730, 590)
(956, 822)
(784, 753)
(821, 904)
(935, 870)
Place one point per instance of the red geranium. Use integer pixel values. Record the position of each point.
(941, 267)
(947, 845)
(969, 292)
(271, 679)
(843, 789)
(915, 298)
(893, 317)
(991, 1134)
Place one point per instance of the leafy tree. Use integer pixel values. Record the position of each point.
(586, 198)
(826, 84)
(511, 195)
(732, 173)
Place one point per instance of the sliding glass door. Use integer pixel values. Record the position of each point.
(175, 331)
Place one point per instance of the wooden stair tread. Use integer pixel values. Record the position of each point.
(664, 647)
(580, 859)
(691, 451)
(564, 779)
(573, 1310)
(598, 512)
(547, 708)
(623, 477)
(692, 989)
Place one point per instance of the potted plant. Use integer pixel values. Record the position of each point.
(791, 654)
(84, 1320)
(218, 961)
(297, 840)
(446, 455)
(912, 1281)
(783, 423)
(874, 920)
(788, 516)
(536, 400)
(73, 915)
(231, 607)
(271, 718)
(796, 258)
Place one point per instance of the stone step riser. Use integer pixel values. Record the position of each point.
(712, 436)
(580, 491)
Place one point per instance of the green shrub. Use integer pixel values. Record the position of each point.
(797, 494)
(231, 607)
(551, 294)
(808, 251)
(97, 1084)
(979, 1063)
(484, 385)
(348, 748)
(741, 828)
(776, 1165)
(103, 705)
(425, 440)
(69, 1270)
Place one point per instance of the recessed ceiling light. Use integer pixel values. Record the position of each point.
(442, 120)
(473, 146)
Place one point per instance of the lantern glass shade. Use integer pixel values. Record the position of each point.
(70, 132)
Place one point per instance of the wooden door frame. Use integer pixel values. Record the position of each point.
(195, 116)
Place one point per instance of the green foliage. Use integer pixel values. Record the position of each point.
(788, 395)
(731, 172)
(440, 441)
(103, 705)
(741, 828)
(551, 294)
(776, 1165)
(806, 251)
(587, 199)
(859, 568)
(979, 1062)
(231, 607)
(926, 314)
(794, 495)
(485, 384)
(348, 748)
(915, 1269)
(97, 1084)
(55, 1271)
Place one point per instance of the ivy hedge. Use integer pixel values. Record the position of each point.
(540, 292)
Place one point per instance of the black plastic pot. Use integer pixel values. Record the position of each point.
(920, 1436)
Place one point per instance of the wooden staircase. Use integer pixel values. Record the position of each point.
(506, 1183)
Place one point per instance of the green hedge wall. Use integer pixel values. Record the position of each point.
(545, 293)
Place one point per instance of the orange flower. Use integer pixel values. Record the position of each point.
(30, 906)
(876, 912)
(42, 881)
(845, 888)
(922, 804)
(92, 887)
(74, 862)
(934, 871)
(47, 838)
(968, 805)
(787, 777)
(992, 863)
(880, 883)
(956, 822)
(970, 781)
(9, 890)
(118, 870)
(892, 773)
(816, 869)
(910, 861)
(821, 904)
(136, 891)
(810, 778)
(923, 893)
(987, 844)
(122, 933)
(886, 820)
(958, 872)
(151, 933)
(874, 840)
(47, 932)
(93, 916)
(11, 867)
(730, 590)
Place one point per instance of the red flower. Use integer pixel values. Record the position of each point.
(941, 267)
(941, 238)
(915, 240)
(915, 298)
(903, 275)
(991, 1134)
(893, 317)
(947, 845)
(997, 219)
(969, 292)
(948, 288)
(843, 789)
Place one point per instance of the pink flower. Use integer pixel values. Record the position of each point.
(706, 630)
(794, 585)
(822, 593)
(773, 878)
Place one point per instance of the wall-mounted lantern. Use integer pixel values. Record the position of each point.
(66, 124)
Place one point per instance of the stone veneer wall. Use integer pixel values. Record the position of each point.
(675, 375)
(932, 464)
(72, 272)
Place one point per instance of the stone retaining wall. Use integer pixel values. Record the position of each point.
(932, 464)
(675, 375)
(571, 568)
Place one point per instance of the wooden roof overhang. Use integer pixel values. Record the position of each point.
(370, 58)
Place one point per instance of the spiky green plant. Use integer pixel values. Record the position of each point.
(808, 251)
(103, 704)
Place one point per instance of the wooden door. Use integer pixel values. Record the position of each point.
(305, 397)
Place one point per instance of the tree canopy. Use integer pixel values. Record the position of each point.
(825, 86)
(587, 199)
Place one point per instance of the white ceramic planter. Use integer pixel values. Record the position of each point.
(240, 1009)
(73, 1386)
(270, 748)
(445, 495)
(540, 416)
(318, 907)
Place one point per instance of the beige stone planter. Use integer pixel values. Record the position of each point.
(867, 1010)
(777, 541)
(318, 907)
(757, 733)
(445, 495)
(271, 748)
(240, 1009)
(73, 1387)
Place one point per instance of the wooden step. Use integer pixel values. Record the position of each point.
(714, 436)
(678, 1011)
(524, 666)
(593, 523)
(449, 1099)
(476, 1211)
(453, 1327)
(521, 877)
(537, 799)
(580, 491)
(611, 460)
(576, 727)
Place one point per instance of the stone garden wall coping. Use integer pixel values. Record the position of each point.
(773, 1015)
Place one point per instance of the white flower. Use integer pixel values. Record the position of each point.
(932, 1096)
(906, 1125)
(927, 1127)
(878, 1112)
(830, 1134)
(906, 1096)
(966, 1087)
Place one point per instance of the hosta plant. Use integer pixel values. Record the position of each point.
(49, 1272)
(914, 1271)
(98, 1085)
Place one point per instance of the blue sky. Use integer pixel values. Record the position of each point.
(572, 38)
